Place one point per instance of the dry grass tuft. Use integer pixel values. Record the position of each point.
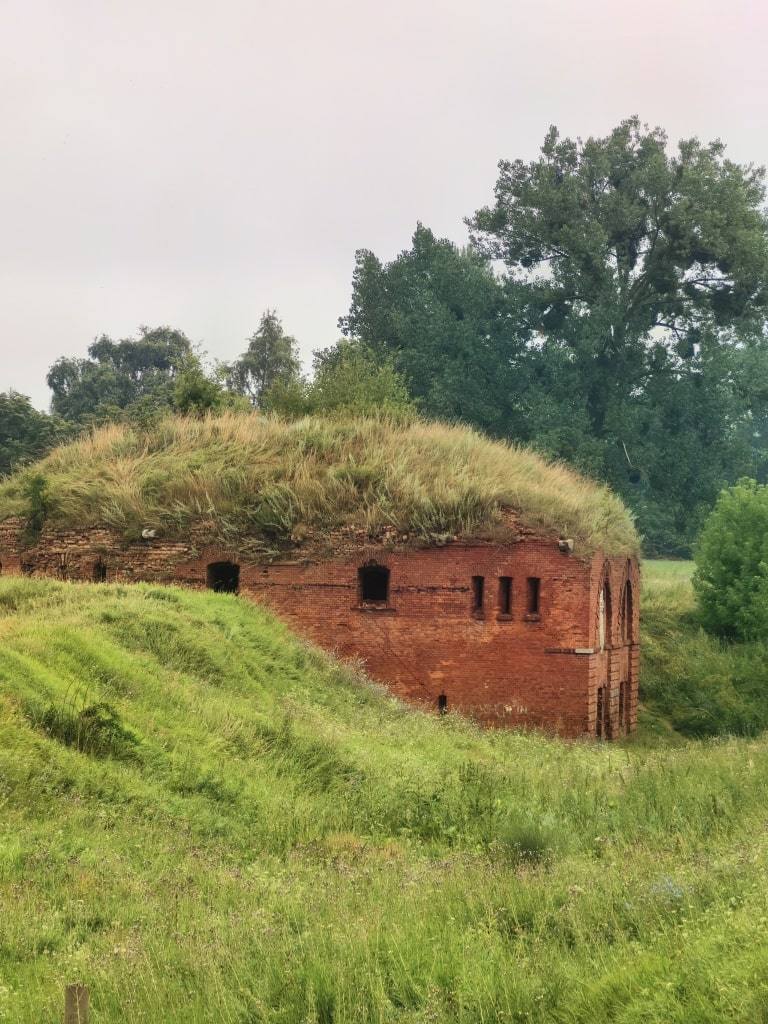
(252, 476)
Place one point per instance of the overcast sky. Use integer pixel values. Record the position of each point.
(191, 163)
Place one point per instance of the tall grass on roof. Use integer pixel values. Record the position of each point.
(253, 476)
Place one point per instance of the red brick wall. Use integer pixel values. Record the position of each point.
(537, 670)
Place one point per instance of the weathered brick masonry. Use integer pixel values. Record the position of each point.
(560, 653)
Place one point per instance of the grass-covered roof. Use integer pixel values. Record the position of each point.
(261, 480)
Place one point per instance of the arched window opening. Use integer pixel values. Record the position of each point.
(99, 574)
(627, 613)
(223, 577)
(604, 616)
(373, 582)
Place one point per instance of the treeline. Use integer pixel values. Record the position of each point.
(610, 310)
(142, 378)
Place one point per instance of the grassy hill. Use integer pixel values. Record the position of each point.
(207, 820)
(253, 478)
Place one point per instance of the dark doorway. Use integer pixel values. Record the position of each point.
(223, 577)
(442, 704)
(99, 572)
(374, 584)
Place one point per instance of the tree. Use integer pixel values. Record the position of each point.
(271, 356)
(118, 375)
(731, 577)
(348, 380)
(25, 433)
(449, 327)
(196, 392)
(618, 246)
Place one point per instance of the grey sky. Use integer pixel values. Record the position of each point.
(191, 163)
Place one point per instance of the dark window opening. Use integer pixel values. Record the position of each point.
(505, 595)
(374, 584)
(27, 568)
(534, 595)
(622, 705)
(478, 593)
(442, 704)
(627, 612)
(223, 577)
(99, 572)
(603, 724)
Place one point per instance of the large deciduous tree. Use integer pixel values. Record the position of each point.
(620, 245)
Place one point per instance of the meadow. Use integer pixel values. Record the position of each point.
(205, 819)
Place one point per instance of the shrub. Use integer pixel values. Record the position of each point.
(731, 578)
(35, 490)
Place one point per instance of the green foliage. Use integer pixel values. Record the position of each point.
(625, 335)
(196, 393)
(286, 842)
(271, 359)
(642, 266)
(348, 381)
(117, 376)
(440, 316)
(261, 480)
(34, 492)
(731, 579)
(25, 433)
(699, 684)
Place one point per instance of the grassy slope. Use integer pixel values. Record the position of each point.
(272, 839)
(691, 682)
(253, 476)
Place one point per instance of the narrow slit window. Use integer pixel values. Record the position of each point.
(505, 595)
(478, 593)
(442, 704)
(622, 703)
(374, 584)
(534, 595)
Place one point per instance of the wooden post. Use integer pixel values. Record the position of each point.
(76, 1004)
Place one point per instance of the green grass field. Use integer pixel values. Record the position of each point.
(206, 820)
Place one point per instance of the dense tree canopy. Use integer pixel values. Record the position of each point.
(622, 329)
(25, 433)
(440, 314)
(118, 375)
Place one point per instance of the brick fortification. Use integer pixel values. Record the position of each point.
(516, 634)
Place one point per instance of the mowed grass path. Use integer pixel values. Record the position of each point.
(206, 820)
